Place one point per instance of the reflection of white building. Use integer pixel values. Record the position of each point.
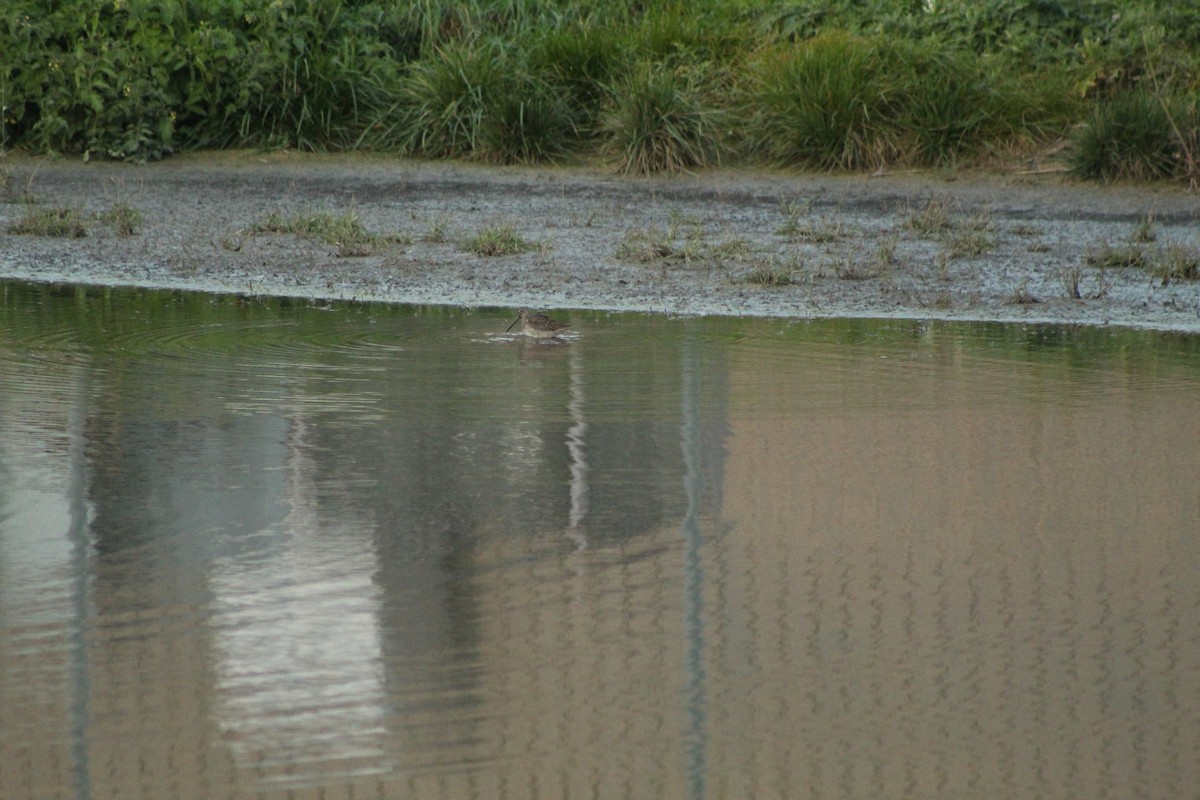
(296, 639)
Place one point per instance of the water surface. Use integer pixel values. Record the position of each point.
(260, 547)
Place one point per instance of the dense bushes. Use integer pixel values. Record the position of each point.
(651, 86)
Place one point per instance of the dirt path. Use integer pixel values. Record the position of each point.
(738, 243)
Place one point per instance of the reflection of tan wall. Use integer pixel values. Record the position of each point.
(585, 725)
(151, 691)
(944, 638)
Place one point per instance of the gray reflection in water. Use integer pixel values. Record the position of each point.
(248, 550)
(694, 736)
(81, 548)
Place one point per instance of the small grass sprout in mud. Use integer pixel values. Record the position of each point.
(499, 240)
(772, 274)
(1071, 277)
(885, 252)
(850, 270)
(821, 231)
(935, 218)
(734, 249)
(1021, 296)
(59, 221)
(650, 244)
(1144, 233)
(14, 191)
(125, 220)
(439, 231)
(969, 244)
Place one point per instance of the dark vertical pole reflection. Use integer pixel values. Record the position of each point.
(694, 737)
(80, 668)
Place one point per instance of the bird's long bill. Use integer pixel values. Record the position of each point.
(514, 322)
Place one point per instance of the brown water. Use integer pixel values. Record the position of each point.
(261, 548)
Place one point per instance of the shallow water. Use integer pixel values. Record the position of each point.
(263, 547)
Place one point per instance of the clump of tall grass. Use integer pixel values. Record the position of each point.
(443, 98)
(851, 102)
(579, 62)
(527, 120)
(822, 103)
(1139, 135)
(662, 119)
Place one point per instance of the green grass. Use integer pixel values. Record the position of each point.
(499, 240)
(528, 121)
(1130, 137)
(821, 104)
(443, 97)
(59, 221)
(343, 230)
(659, 119)
(125, 220)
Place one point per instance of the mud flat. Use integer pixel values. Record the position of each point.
(992, 247)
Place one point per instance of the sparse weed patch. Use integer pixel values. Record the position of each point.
(772, 273)
(820, 231)
(1144, 233)
(1109, 257)
(1176, 262)
(850, 270)
(1021, 296)
(345, 230)
(45, 221)
(934, 218)
(439, 231)
(646, 245)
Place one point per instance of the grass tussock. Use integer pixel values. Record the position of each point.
(125, 220)
(1139, 135)
(62, 222)
(499, 240)
(659, 119)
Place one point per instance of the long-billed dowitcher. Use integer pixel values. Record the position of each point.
(537, 325)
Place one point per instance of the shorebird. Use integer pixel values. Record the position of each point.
(537, 325)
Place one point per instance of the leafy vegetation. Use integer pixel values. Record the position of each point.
(661, 86)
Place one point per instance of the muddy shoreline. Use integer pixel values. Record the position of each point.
(962, 247)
